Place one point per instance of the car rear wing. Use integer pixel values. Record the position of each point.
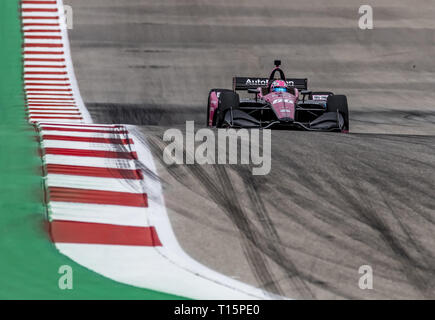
(245, 83)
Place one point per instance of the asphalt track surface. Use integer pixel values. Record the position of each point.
(332, 202)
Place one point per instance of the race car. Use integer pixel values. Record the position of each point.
(279, 103)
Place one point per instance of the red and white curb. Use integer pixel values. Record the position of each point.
(51, 87)
(104, 198)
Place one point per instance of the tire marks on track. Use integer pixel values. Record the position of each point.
(223, 195)
(362, 208)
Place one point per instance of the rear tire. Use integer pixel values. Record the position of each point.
(208, 104)
(227, 100)
(339, 103)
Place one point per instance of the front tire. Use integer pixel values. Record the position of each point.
(338, 103)
(227, 100)
(218, 92)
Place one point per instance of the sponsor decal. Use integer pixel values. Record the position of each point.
(320, 97)
(282, 100)
(264, 82)
(258, 82)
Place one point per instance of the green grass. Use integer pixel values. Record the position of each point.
(29, 262)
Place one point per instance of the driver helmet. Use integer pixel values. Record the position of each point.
(278, 86)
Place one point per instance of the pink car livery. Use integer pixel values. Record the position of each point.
(277, 102)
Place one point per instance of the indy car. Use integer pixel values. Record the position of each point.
(277, 103)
